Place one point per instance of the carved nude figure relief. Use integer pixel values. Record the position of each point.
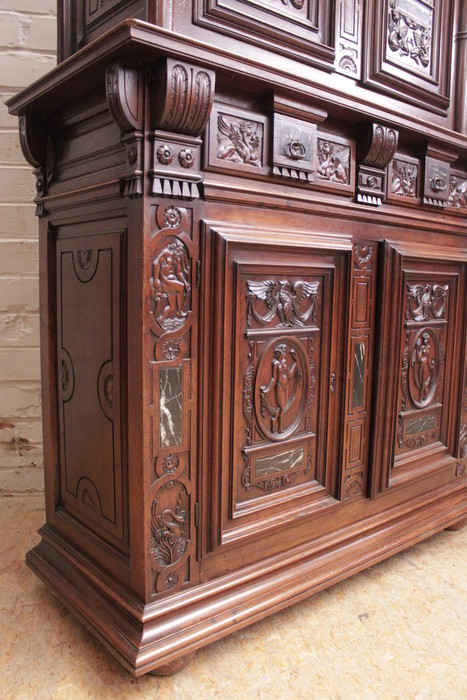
(170, 286)
(284, 381)
(424, 367)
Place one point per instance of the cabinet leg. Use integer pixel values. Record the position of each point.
(458, 526)
(173, 667)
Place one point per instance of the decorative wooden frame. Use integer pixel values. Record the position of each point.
(295, 27)
(395, 66)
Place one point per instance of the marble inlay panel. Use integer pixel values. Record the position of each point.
(274, 464)
(419, 425)
(171, 391)
(358, 375)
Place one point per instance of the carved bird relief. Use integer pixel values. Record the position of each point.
(169, 539)
(294, 303)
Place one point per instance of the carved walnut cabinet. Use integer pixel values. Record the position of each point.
(253, 274)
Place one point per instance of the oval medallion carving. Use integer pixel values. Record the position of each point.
(281, 388)
(424, 367)
(170, 286)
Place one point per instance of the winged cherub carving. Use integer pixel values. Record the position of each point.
(293, 302)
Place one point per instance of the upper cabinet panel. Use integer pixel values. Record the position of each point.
(408, 53)
(296, 27)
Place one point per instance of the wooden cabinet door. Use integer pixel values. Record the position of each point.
(273, 331)
(421, 363)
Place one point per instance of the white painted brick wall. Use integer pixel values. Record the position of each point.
(27, 51)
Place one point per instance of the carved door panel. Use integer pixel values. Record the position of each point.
(423, 299)
(273, 328)
(92, 469)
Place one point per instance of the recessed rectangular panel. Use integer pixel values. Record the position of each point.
(89, 297)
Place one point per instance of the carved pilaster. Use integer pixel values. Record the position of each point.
(38, 150)
(125, 98)
(183, 96)
(376, 148)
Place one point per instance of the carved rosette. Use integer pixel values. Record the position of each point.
(376, 148)
(183, 97)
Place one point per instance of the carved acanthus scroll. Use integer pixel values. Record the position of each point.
(181, 105)
(38, 150)
(377, 147)
(125, 98)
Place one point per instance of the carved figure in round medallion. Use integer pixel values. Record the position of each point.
(281, 394)
(170, 285)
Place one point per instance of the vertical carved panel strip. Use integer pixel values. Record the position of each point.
(348, 25)
(171, 409)
(358, 376)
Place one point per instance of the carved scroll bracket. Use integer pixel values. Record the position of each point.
(182, 100)
(376, 148)
(38, 150)
(125, 99)
(295, 138)
(436, 186)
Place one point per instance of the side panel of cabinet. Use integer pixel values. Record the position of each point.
(89, 324)
(274, 327)
(423, 300)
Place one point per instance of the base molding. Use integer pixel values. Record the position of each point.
(159, 637)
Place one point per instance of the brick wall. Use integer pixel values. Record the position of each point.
(27, 51)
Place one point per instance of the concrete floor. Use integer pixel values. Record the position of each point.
(397, 630)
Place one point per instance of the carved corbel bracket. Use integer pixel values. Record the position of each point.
(436, 186)
(182, 100)
(376, 148)
(125, 99)
(295, 138)
(38, 151)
